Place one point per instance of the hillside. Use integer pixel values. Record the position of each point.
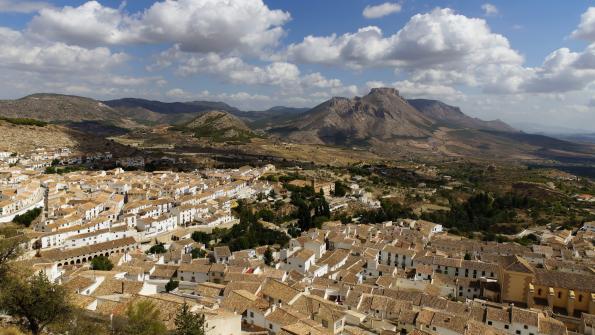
(22, 138)
(218, 126)
(68, 109)
(453, 117)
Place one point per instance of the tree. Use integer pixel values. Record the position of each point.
(268, 256)
(157, 249)
(10, 249)
(340, 189)
(198, 253)
(143, 318)
(293, 231)
(81, 323)
(188, 323)
(101, 263)
(26, 218)
(171, 285)
(202, 237)
(38, 301)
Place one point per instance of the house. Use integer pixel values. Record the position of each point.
(222, 254)
(196, 272)
(301, 261)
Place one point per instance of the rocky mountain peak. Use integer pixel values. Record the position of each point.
(384, 91)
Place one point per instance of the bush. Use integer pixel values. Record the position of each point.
(28, 217)
(24, 121)
(101, 263)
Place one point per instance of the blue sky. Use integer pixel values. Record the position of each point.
(520, 61)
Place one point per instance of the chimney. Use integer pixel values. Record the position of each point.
(510, 313)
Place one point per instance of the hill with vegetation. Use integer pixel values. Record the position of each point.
(218, 126)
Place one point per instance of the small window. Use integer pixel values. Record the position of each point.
(270, 326)
(559, 295)
(580, 298)
(518, 332)
(489, 323)
(506, 326)
(526, 327)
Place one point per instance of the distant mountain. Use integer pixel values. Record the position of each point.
(218, 126)
(382, 114)
(388, 124)
(78, 112)
(57, 108)
(453, 117)
(271, 117)
(170, 107)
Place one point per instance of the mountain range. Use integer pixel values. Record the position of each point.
(382, 121)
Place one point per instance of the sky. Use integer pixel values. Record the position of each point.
(530, 63)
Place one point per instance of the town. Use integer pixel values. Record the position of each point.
(115, 238)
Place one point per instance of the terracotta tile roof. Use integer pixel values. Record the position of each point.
(573, 281)
(497, 314)
(551, 326)
(478, 328)
(279, 291)
(111, 286)
(524, 316)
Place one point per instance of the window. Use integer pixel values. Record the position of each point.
(539, 292)
(580, 298)
(325, 323)
(526, 327)
(506, 326)
(489, 323)
(270, 326)
(518, 332)
(559, 294)
(251, 314)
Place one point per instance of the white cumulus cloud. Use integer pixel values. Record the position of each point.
(377, 11)
(194, 25)
(18, 52)
(489, 9)
(586, 29)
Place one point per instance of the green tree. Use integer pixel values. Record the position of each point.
(202, 237)
(340, 189)
(36, 300)
(293, 231)
(101, 263)
(157, 249)
(26, 218)
(171, 285)
(188, 323)
(143, 318)
(198, 253)
(268, 256)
